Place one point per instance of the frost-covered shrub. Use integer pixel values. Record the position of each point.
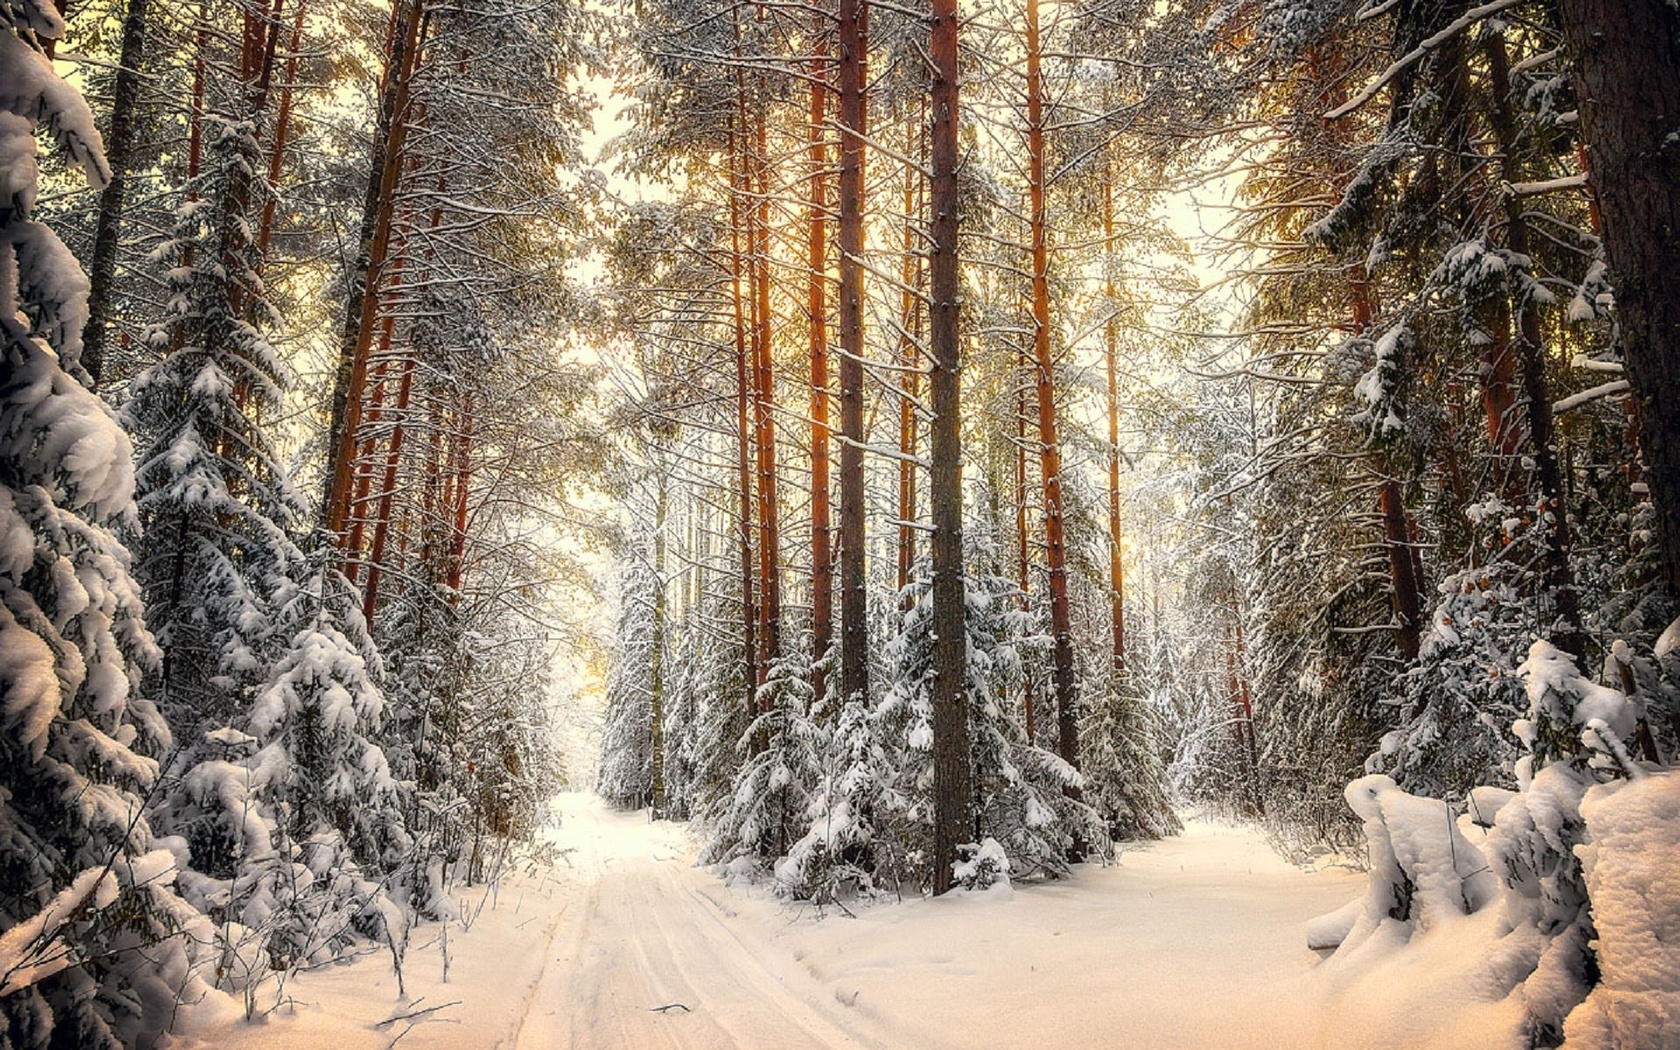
(1126, 780)
(1460, 697)
(781, 763)
(1578, 904)
(1022, 792)
(1633, 880)
(982, 867)
(1423, 870)
(625, 778)
(316, 722)
(843, 846)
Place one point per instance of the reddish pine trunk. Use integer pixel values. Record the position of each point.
(1023, 553)
(463, 488)
(282, 132)
(350, 379)
(1405, 584)
(1242, 702)
(1050, 452)
(1111, 344)
(816, 306)
(910, 360)
(764, 442)
(743, 403)
(387, 491)
(364, 471)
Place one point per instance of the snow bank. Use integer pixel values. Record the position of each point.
(1423, 870)
(1632, 866)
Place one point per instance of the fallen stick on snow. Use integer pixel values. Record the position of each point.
(417, 1013)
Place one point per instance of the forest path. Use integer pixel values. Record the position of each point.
(648, 956)
(1193, 943)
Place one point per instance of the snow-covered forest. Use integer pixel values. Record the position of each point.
(1147, 523)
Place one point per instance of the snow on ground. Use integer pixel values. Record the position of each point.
(1195, 942)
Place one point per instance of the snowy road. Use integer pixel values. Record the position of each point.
(648, 958)
(1195, 943)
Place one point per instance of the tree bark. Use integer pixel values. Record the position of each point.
(822, 558)
(282, 133)
(113, 199)
(909, 359)
(953, 774)
(1050, 452)
(743, 411)
(1405, 585)
(1626, 57)
(361, 308)
(854, 599)
(387, 491)
(1023, 553)
(764, 420)
(656, 669)
(1111, 347)
(1531, 358)
(463, 489)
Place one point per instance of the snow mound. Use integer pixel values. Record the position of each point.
(1424, 872)
(1632, 864)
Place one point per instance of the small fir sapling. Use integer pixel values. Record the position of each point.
(1023, 796)
(781, 764)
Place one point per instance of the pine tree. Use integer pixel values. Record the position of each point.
(216, 559)
(87, 919)
(626, 773)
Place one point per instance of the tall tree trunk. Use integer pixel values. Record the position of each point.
(119, 151)
(1626, 56)
(463, 490)
(953, 774)
(816, 305)
(361, 308)
(282, 133)
(909, 358)
(1050, 451)
(764, 420)
(387, 491)
(1111, 347)
(743, 410)
(1405, 584)
(1023, 551)
(854, 599)
(1242, 702)
(1531, 358)
(656, 669)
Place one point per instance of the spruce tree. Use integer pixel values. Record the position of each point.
(88, 915)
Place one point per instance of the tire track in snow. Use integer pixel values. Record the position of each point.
(643, 937)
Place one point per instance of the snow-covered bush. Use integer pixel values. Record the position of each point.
(1459, 699)
(1423, 870)
(625, 778)
(984, 867)
(842, 846)
(1022, 792)
(1633, 880)
(1125, 777)
(1578, 943)
(781, 763)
